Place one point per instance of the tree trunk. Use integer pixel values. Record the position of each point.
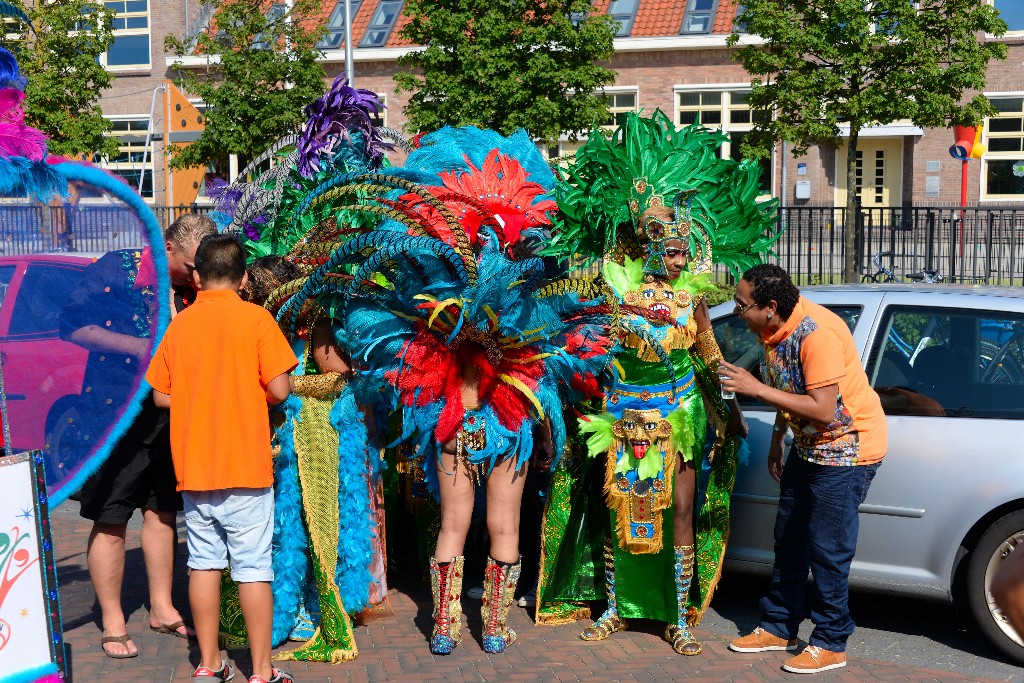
(852, 225)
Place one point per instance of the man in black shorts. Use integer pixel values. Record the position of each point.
(109, 314)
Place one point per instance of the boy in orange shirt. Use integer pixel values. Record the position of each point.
(219, 365)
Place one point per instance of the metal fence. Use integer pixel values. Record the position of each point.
(976, 244)
(982, 245)
(82, 228)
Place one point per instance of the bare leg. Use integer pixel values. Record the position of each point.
(457, 497)
(504, 501)
(682, 499)
(105, 559)
(204, 596)
(258, 610)
(159, 547)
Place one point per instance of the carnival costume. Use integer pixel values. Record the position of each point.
(445, 286)
(624, 199)
(329, 550)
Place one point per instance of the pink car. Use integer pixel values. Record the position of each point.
(42, 373)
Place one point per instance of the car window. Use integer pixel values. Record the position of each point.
(6, 275)
(41, 295)
(739, 345)
(950, 363)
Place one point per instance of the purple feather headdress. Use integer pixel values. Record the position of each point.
(342, 110)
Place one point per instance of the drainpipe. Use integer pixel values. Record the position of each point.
(149, 136)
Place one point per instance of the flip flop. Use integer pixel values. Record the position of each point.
(172, 629)
(124, 640)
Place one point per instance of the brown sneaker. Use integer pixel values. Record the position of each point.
(760, 640)
(814, 659)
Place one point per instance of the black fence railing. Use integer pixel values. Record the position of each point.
(977, 244)
(982, 245)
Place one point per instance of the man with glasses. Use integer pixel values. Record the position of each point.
(814, 378)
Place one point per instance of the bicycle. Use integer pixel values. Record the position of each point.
(883, 274)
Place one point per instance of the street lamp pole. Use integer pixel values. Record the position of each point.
(348, 43)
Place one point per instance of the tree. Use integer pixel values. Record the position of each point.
(863, 62)
(505, 65)
(263, 70)
(60, 57)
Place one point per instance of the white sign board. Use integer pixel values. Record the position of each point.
(30, 636)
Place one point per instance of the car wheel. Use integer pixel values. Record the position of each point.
(63, 438)
(1005, 536)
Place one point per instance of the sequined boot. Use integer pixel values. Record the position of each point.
(683, 642)
(609, 622)
(499, 588)
(446, 586)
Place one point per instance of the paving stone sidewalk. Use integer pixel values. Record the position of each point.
(395, 649)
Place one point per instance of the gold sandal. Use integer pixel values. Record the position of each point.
(603, 627)
(683, 642)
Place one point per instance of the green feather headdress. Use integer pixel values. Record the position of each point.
(606, 213)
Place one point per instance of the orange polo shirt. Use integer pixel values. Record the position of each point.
(814, 348)
(215, 361)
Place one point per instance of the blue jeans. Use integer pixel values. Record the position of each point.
(816, 529)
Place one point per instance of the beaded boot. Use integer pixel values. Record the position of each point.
(499, 588)
(446, 586)
(683, 642)
(609, 622)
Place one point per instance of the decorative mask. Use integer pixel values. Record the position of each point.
(640, 429)
(658, 297)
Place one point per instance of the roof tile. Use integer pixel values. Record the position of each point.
(658, 18)
(726, 17)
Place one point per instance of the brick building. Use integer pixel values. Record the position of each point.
(669, 54)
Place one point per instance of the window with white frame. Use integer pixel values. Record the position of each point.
(335, 35)
(381, 24)
(694, 106)
(624, 12)
(619, 104)
(1003, 163)
(130, 49)
(699, 16)
(132, 158)
(1012, 12)
(727, 110)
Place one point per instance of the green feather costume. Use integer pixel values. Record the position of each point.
(621, 201)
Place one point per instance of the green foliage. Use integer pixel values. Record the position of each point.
(826, 63)
(65, 79)
(723, 292)
(266, 73)
(504, 65)
(863, 63)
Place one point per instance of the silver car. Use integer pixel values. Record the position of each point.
(947, 504)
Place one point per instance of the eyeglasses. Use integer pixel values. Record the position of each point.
(740, 309)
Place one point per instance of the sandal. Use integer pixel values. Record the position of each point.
(172, 629)
(683, 642)
(124, 640)
(602, 628)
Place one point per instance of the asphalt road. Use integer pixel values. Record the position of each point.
(900, 630)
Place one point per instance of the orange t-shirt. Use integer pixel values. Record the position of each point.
(814, 348)
(215, 361)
